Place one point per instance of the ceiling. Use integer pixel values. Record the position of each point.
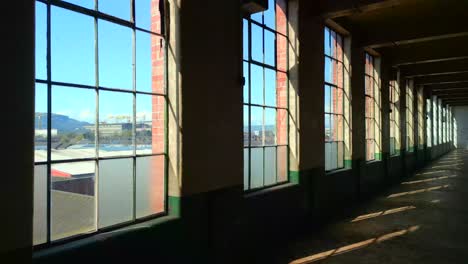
(426, 39)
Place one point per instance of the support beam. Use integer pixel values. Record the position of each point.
(426, 52)
(435, 68)
(342, 8)
(448, 86)
(442, 79)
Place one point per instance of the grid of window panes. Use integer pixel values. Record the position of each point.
(371, 107)
(394, 117)
(428, 122)
(334, 100)
(435, 120)
(100, 107)
(409, 116)
(444, 124)
(265, 97)
(439, 121)
(420, 107)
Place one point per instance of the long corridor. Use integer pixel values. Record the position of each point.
(422, 220)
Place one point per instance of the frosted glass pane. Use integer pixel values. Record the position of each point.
(73, 204)
(149, 185)
(256, 169)
(115, 192)
(40, 205)
(270, 166)
(246, 168)
(282, 164)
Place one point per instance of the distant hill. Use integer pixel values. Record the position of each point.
(62, 123)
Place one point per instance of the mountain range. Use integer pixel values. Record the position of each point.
(62, 123)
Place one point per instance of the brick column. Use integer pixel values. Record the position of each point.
(156, 181)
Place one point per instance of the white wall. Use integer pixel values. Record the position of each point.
(461, 126)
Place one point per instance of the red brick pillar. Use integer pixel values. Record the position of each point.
(281, 88)
(156, 181)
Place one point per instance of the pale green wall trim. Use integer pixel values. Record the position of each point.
(378, 156)
(348, 164)
(294, 176)
(411, 149)
(173, 203)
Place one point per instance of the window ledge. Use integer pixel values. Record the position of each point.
(98, 237)
(372, 162)
(337, 171)
(269, 190)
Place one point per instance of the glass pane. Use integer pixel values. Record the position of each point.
(246, 126)
(115, 55)
(246, 168)
(270, 166)
(40, 205)
(148, 14)
(282, 52)
(256, 169)
(269, 15)
(246, 84)
(282, 163)
(115, 191)
(256, 126)
(281, 16)
(270, 87)
(149, 185)
(150, 65)
(328, 154)
(256, 82)
(40, 123)
(333, 44)
(73, 123)
(328, 131)
(329, 70)
(328, 108)
(338, 127)
(41, 41)
(337, 100)
(282, 126)
(270, 126)
(327, 43)
(150, 124)
(73, 207)
(117, 8)
(340, 155)
(257, 43)
(281, 89)
(84, 3)
(334, 155)
(72, 47)
(115, 123)
(245, 38)
(257, 17)
(270, 48)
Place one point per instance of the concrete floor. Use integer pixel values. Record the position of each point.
(422, 220)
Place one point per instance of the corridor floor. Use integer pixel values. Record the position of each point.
(422, 220)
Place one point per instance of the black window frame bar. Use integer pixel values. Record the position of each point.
(131, 24)
(250, 61)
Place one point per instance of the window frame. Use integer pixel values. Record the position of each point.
(249, 61)
(376, 110)
(130, 24)
(394, 100)
(333, 87)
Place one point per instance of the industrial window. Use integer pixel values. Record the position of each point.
(450, 125)
(100, 116)
(420, 101)
(395, 116)
(265, 63)
(435, 120)
(334, 101)
(444, 124)
(439, 121)
(429, 122)
(409, 116)
(372, 109)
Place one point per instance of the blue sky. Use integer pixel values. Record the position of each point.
(73, 60)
